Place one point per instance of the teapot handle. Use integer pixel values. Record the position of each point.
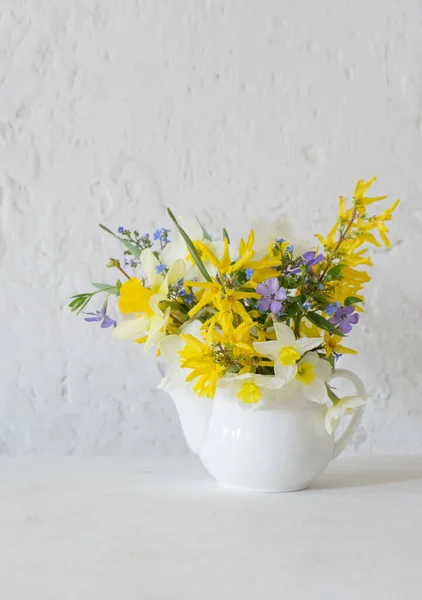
(353, 424)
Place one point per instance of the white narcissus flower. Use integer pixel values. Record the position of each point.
(312, 373)
(286, 350)
(345, 406)
(266, 234)
(170, 347)
(249, 385)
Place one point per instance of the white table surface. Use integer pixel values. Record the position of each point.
(126, 529)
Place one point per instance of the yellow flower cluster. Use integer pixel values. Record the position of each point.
(346, 243)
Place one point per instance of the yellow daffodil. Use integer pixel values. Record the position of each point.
(145, 322)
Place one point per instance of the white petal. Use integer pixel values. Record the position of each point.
(149, 262)
(131, 329)
(335, 412)
(177, 271)
(270, 349)
(323, 369)
(231, 381)
(193, 328)
(170, 347)
(191, 226)
(287, 373)
(155, 301)
(218, 247)
(153, 339)
(315, 391)
(305, 344)
(265, 234)
(311, 358)
(268, 382)
(285, 336)
(174, 250)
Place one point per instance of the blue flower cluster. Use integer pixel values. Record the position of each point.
(330, 309)
(161, 235)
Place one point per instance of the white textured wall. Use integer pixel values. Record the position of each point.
(111, 109)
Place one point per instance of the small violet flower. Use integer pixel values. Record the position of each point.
(344, 318)
(310, 259)
(101, 315)
(160, 268)
(121, 229)
(272, 295)
(249, 273)
(290, 248)
(330, 309)
(306, 305)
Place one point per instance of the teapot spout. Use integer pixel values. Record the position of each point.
(194, 414)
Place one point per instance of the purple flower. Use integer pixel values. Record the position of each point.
(309, 259)
(249, 273)
(344, 318)
(121, 229)
(101, 315)
(160, 269)
(272, 295)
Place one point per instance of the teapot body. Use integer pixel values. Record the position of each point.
(279, 445)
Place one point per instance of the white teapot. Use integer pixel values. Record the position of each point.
(278, 445)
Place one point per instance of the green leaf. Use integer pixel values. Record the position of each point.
(76, 303)
(332, 396)
(106, 287)
(334, 273)
(191, 247)
(226, 235)
(136, 252)
(350, 300)
(322, 323)
(205, 232)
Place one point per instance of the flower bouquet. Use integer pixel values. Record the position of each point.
(254, 325)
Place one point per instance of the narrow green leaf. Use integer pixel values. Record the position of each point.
(332, 396)
(226, 235)
(191, 247)
(106, 287)
(205, 232)
(350, 300)
(132, 249)
(322, 323)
